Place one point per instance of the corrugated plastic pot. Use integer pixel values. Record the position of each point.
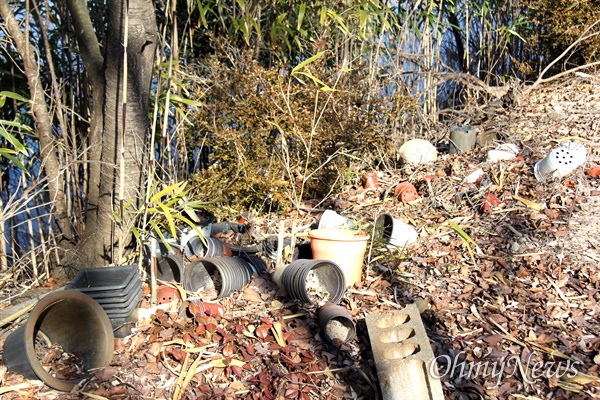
(323, 276)
(169, 268)
(67, 318)
(344, 247)
(223, 274)
(336, 323)
(195, 247)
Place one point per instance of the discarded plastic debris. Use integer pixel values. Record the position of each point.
(403, 356)
(71, 320)
(474, 176)
(393, 231)
(560, 162)
(344, 247)
(314, 281)
(504, 152)
(331, 219)
(189, 233)
(417, 151)
(462, 139)
(406, 192)
(336, 323)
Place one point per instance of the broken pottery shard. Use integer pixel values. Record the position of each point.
(403, 356)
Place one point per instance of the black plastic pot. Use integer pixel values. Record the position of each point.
(196, 248)
(336, 323)
(169, 268)
(70, 319)
(310, 280)
(104, 282)
(118, 290)
(224, 275)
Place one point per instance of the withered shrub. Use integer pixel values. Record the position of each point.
(275, 140)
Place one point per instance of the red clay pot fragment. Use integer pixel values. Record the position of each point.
(369, 180)
(406, 192)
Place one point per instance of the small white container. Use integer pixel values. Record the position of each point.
(394, 232)
(331, 219)
(560, 162)
(473, 176)
(506, 151)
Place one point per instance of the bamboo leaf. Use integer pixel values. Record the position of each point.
(307, 62)
(13, 95)
(14, 159)
(529, 203)
(163, 192)
(192, 225)
(301, 12)
(169, 216)
(461, 232)
(158, 231)
(13, 140)
(317, 81)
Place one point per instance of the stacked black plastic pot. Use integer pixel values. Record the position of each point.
(117, 289)
(330, 278)
(224, 275)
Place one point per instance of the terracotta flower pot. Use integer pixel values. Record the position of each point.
(369, 180)
(406, 192)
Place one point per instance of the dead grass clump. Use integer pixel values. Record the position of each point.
(273, 137)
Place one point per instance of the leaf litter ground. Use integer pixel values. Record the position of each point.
(505, 272)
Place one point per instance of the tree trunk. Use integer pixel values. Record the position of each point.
(123, 127)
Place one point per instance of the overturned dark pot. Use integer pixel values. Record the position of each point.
(67, 318)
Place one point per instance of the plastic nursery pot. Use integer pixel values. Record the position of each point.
(336, 323)
(314, 281)
(217, 277)
(344, 247)
(394, 232)
(168, 268)
(369, 180)
(196, 248)
(406, 192)
(462, 139)
(166, 294)
(331, 219)
(67, 318)
(560, 162)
